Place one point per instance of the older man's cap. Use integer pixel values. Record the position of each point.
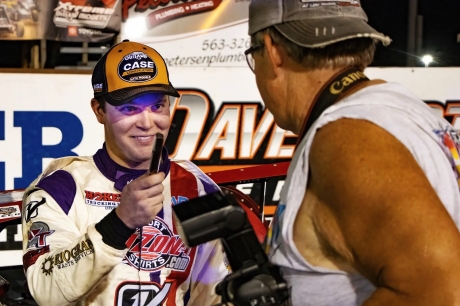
(312, 23)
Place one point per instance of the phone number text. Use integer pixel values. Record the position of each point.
(220, 44)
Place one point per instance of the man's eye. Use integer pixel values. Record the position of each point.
(157, 107)
(128, 109)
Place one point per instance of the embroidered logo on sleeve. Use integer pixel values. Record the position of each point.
(67, 258)
(37, 235)
(32, 209)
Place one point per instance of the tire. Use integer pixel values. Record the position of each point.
(20, 29)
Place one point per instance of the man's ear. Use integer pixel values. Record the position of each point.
(98, 111)
(275, 53)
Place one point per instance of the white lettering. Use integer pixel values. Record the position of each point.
(172, 262)
(250, 139)
(18, 235)
(453, 109)
(202, 5)
(135, 55)
(276, 149)
(197, 107)
(170, 12)
(276, 195)
(223, 134)
(245, 188)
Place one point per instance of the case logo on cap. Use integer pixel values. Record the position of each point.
(137, 67)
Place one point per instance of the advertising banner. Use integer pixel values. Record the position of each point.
(64, 20)
(219, 122)
(190, 33)
(20, 19)
(82, 20)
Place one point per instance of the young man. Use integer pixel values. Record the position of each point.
(98, 230)
(370, 211)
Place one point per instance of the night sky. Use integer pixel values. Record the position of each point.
(441, 26)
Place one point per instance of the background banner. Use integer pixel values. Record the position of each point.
(190, 33)
(219, 122)
(82, 20)
(21, 19)
(64, 20)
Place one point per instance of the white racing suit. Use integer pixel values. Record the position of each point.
(78, 252)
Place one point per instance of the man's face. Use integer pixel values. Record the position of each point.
(271, 88)
(129, 128)
(260, 70)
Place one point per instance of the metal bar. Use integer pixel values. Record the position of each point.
(263, 191)
(419, 35)
(84, 55)
(35, 54)
(250, 174)
(411, 35)
(42, 53)
(77, 50)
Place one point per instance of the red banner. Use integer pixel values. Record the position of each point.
(180, 10)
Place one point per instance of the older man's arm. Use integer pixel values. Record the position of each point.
(393, 228)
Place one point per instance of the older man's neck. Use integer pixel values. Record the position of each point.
(303, 88)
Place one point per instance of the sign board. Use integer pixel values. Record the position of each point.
(190, 33)
(64, 20)
(48, 115)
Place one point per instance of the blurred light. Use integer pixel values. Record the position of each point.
(427, 60)
(134, 27)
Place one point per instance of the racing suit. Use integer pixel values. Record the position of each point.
(78, 252)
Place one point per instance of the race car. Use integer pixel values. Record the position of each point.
(8, 26)
(22, 10)
(13, 287)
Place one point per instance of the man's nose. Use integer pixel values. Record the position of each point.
(145, 120)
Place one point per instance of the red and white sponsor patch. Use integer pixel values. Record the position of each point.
(102, 199)
(158, 248)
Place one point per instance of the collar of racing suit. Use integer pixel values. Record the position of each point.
(121, 175)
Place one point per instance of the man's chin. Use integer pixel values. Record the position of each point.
(140, 161)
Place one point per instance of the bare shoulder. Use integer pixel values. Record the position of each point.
(390, 217)
(367, 152)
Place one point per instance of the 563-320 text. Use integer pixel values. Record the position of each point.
(220, 44)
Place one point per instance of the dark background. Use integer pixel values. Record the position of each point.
(440, 28)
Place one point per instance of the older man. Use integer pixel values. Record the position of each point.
(370, 211)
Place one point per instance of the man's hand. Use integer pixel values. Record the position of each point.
(141, 200)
